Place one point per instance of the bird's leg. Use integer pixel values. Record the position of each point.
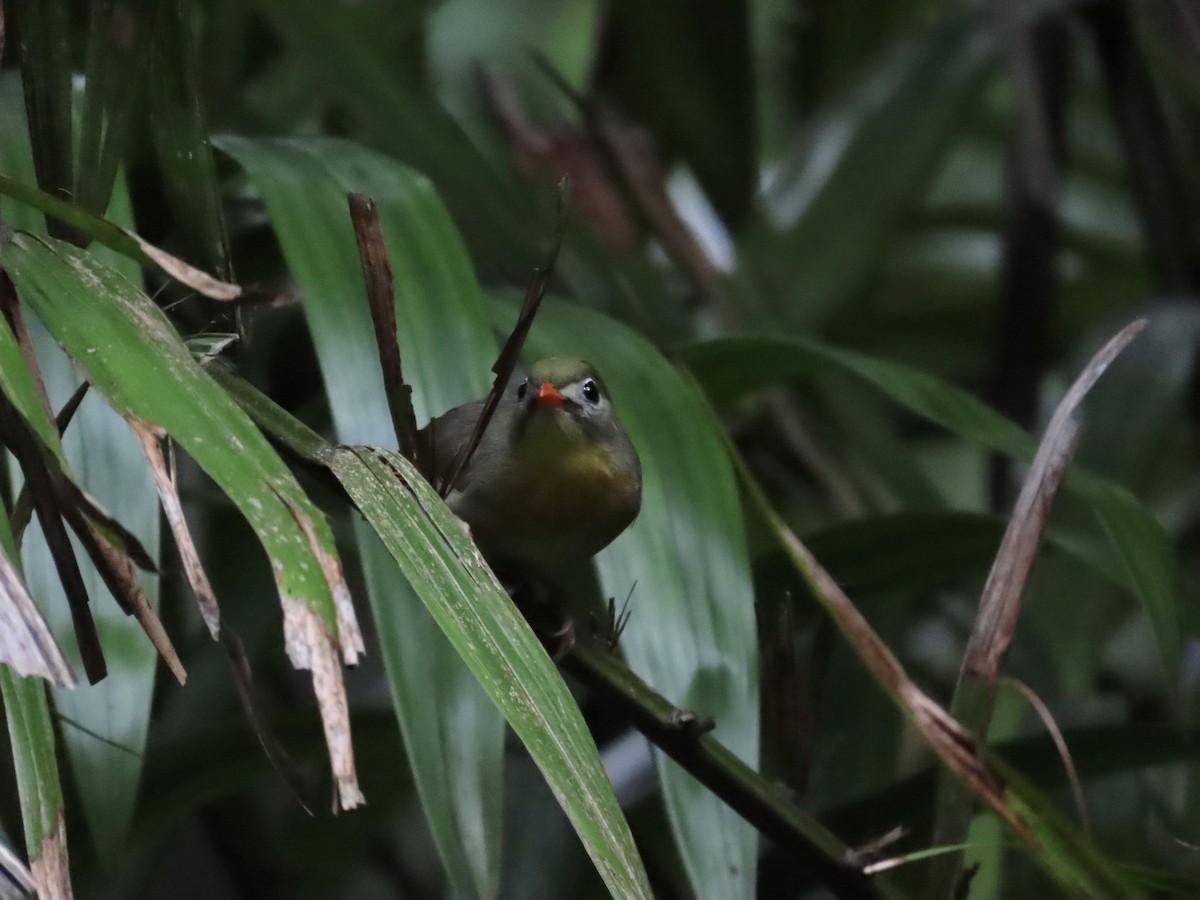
(536, 602)
(564, 639)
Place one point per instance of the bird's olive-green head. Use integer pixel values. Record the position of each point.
(564, 407)
(555, 477)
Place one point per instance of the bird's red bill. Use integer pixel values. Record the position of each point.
(549, 395)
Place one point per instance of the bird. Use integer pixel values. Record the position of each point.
(555, 478)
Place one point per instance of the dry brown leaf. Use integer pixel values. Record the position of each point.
(117, 571)
(51, 869)
(309, 645)
(185, 273)
(172, 505)
(948, 739)
(16, 881)
(349, 635)
(26, 642)
(1000, 604)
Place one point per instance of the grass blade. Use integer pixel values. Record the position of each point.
(730, 367)
(692, 633)
(134, 357)
(475, 613)
(442, 326)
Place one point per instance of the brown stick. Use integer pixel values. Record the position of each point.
(377, 275)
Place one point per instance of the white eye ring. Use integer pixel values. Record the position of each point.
(591, 392)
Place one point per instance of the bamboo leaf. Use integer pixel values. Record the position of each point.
(730, 367)
(100, 457)
(134, 357)
(684, 565)
(442, 326)
(446, 570)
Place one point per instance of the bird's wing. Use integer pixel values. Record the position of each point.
(447, 434)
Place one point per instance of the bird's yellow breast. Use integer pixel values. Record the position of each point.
(568, 504)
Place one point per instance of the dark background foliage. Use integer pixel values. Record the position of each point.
(779, 196)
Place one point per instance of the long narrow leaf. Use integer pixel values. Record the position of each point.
(32, 738)
(135, 358)
(113, 716)
(684, 565)
(475, 613)
(731, 367)
(454, 739)
(181, 139)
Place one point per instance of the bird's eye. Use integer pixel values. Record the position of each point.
(591, 392)
(522, 388)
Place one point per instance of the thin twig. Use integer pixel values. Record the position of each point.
(510, 353)
(26, 448)
(757, 800)
(1060, 744)
(377, 274)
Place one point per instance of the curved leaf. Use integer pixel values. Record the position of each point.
(135, 358)
(105, 461)
(454, 739)
(731, 367)
(445, 568)
(692, 633)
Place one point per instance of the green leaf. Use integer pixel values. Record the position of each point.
(105, 461)
(106, 724)
(181, 139)
(731, 367)
(135, 358)
(684, 560)
(684, 70)
(455, 738)
(32, 737)
(395, 112)
(46, 64)
(115, 65)
(491, 635)
(876, 150)
(886, 554)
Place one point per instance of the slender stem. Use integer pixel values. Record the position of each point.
(689, 742)
(377, 275)
(679, 734)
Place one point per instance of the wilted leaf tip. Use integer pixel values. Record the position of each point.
(26, 642)
(309, 645)
(51, 870)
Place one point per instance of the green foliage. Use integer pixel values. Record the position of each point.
(864, 247)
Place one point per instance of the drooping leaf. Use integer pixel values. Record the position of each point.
(111, 718)
(137, 361)
(683, 564)
(446, 570)
(441, 327)
(730, 367)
